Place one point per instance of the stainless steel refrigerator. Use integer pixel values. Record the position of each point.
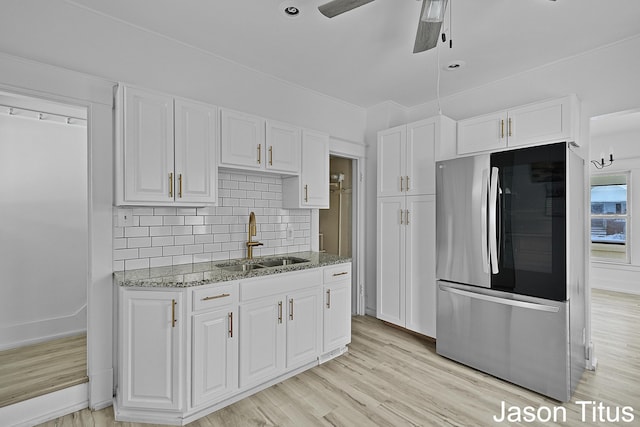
(510, 265)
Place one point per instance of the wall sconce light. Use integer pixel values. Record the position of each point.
(601, 164)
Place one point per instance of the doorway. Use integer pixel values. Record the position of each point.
(43, 247)
(338, 228)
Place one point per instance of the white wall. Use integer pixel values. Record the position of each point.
(43, 230)
(60, 33)
(626, 148)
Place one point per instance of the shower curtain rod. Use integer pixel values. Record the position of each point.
(42, 115)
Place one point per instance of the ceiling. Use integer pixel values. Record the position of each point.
(365, 57)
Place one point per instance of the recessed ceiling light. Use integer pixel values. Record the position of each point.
(454, 65)
(291, 11)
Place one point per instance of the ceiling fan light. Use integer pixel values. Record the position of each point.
(434, 11)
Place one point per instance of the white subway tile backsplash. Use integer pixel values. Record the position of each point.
(173, 220)
(168, 235)
(136, 231)
(139, 242)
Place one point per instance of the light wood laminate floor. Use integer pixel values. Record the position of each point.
(393, 378)
(38, 369)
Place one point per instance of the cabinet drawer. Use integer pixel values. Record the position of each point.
(336, 273)
(215, 296)
(281, 283)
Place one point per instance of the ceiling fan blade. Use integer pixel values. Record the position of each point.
(336, 7)
(428, 33)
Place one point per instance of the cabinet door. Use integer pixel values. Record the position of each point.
(315, 170)
(541, 122)
(420, 265)
(337, 315)
(242, 140)
(282, 147)
(150, 355)
(390, 259)
(262, 340)
(420, 162)
(303, 327)
(215, 356)
(391, 158)
(195, 152)
(148, 146)
(482, 133)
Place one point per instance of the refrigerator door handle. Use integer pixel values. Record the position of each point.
(503, 301)
(493, 221)
(483, 221)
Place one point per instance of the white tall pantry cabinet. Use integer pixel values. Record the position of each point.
(406, 293)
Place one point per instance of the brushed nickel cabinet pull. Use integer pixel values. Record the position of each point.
(231, 324)
(501, 128)
(328, 298)
(215, 297)
(173, 313)
(407, 222)
(291, 309)
(401, 184)
(401, 223)
(340, 274)
(271, 155)
(180, 186)
(407, 183)
(259, 153)
(306, 193)
(509, 127)
(170, 184)
(279, 311)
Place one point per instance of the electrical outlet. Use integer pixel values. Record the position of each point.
(125, 218)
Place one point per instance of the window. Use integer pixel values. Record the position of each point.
(610, 217)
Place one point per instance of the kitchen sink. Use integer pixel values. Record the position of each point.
(240, 267)
(275, 262)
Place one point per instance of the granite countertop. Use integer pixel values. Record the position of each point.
(202, 273)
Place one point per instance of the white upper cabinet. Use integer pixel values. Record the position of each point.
(253, 143)
(165, 150)
(195, 152)
(311, 188)
(242, 142)
(482, 133)
(282, 147)
(406, 156)
(539, 123)
(148, 146)
(391, 161)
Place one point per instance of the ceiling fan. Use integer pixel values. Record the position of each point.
(431, 17)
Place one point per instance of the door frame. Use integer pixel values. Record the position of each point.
(356, 152)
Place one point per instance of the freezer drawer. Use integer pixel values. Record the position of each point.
(523, 340)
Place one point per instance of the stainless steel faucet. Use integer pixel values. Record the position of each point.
(252, 232)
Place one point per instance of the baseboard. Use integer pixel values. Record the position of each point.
(100, 389)
(45, 408)
(41, 330)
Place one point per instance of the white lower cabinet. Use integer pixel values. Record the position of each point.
(184, 353)
(282, 331)
(150, 353)
(262, 340)
(336, 331)
(214, 371)
(406, 278)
